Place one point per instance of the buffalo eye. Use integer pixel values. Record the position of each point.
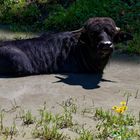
(110, 31)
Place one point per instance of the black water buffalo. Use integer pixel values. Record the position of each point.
(86, 50)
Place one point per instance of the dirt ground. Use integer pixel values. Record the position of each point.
(122, 75)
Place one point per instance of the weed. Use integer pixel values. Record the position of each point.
(48, 132)
(69, 104)
(10, 131)
(27, 117)
(1, 120)
(64, 120)
(48, 125)
(85, 135)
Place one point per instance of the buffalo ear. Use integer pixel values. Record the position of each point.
(122, 37)
(81, 35)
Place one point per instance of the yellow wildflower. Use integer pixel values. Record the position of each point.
(114, 107)
(120, 110)
(124, 108)
(123, 103)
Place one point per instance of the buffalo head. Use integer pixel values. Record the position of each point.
(96, 42)
(100, 34)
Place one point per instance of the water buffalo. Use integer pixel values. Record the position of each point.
(86, 50)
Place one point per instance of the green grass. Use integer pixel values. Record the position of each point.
(21, 14)
(133, 47)
(72, 18)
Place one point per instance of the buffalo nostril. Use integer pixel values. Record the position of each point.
(105, 45)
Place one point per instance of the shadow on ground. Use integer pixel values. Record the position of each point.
(87, 81)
